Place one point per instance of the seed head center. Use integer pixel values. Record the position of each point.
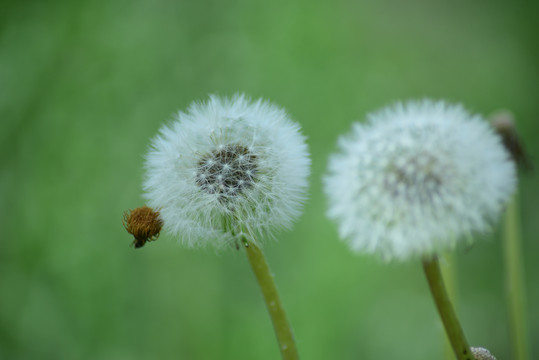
(227, 171)
(418, 178)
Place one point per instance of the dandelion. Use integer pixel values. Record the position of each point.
(229, 172)
(416, 180)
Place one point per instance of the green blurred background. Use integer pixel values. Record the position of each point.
(85, 84)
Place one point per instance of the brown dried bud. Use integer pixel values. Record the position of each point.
(144, 224)
(503, 122)
(482, 354)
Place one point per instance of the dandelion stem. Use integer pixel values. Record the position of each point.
(263, 275)
(450, 276)
(515, 281)
(446, 311)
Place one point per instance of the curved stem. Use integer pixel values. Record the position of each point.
(446, 311)
(450, 276)
(515, 281)
(263, 275)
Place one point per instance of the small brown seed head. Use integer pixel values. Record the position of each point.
(144, 224)
(503, 122)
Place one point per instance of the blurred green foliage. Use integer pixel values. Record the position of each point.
(85, 84)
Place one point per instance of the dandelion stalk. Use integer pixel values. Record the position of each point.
(515, 281)
(445, 309)
(450, 276)
(263, 275)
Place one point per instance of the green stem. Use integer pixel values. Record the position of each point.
(449, 274)
(446, 311)
(263, 275)
(515, 281)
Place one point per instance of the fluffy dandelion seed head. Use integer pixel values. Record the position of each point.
(480, 353)
(227, 167)
(416, 179)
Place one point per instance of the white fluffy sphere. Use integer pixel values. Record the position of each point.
(225, 168)
(416, 179)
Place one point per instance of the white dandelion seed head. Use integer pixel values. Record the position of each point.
(480, 353)
(227, 167)
(417, 179)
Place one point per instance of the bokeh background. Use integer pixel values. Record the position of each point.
(85, 84)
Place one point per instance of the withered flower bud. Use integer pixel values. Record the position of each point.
(503, 122)
(144, 224)
(482, 354)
